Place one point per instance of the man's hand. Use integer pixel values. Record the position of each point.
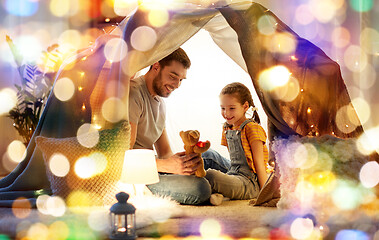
(180, 163)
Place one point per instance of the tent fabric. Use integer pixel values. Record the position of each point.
(235, 30)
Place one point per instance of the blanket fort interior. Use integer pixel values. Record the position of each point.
(300, 88)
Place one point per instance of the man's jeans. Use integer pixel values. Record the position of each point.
(190, 189)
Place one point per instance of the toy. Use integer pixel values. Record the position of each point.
(193, 145)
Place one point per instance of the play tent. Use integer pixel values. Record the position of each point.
(309, 104)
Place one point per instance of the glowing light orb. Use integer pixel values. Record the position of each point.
(369, 174)
(38, 231)
(266, 25)
(362, 109)
(210, 228)
(369, 38)
(64, 89)
(78, 199)
(368, 141)
(21, 207)
(350, 234)
(367, 78)
(347, 119)
(323, 10)
(323, 181)
(143, 38)
(30, 47)
(287, 92)
(283, 43)
(355, 58)
(59, 229)
(71, 39)
(346, 196)
(113, 109)
(124, 7)
(8, 100)
(301, 228)
(56, 206)
(362, 5)
(340, 37)
(59, 165)
(22, 8)
(158, 17)
(59, 8)
(303, 14)
(16, 151)
(115, 50)
(274, 77)
(41, 204)
(85, 167)
(88, 135)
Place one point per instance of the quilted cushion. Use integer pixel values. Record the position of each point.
(93, 172)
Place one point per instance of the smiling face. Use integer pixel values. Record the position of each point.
(232, 110)
(169, 78)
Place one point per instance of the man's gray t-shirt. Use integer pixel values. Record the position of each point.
(149, 113)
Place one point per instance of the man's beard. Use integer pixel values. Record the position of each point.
(158, 87)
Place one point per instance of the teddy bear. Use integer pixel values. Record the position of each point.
(193, 145)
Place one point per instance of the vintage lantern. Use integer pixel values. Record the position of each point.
(122, 218)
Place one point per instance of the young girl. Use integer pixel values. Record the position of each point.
(246, 142)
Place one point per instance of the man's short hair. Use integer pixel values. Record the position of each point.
(178, 55)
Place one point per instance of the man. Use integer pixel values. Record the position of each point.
(147, 115)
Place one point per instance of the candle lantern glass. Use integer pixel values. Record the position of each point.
(122, 219)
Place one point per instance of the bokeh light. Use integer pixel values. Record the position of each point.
(59, 165)
(29, 7)
(113, 109)
(322, 181)
(362, 109)
(351, 234)
(369, 174)
(346, 196)
(21, 207)
(305, 192)
(16, 151)
(158, 17)
(38, 231)
(283, 43)
(266, 25)
(8, 100)
(70, 39)
(30, 47)
(355, 58)
(115, 50)
(287, 92)
(301, 228)
(210, 228)
(367, 78)
(274, 77)
(324, 10)
(78, 199)
(368, 141)
(303, 14)
(59, 230)
(347, 119)
(143, 38)
(362, 5)
(41, 204)
(64, 89)
(340, 37)
(63, 8)
(124, 7)
(87, 167)
(369, 39)
(88, 135)
(56, 206)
